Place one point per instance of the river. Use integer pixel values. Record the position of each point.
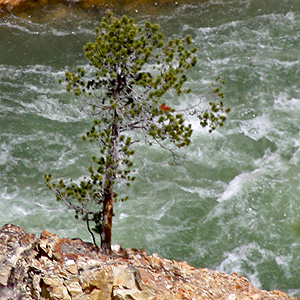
(234, 204)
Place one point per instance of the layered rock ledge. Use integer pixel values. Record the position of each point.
(55, 268)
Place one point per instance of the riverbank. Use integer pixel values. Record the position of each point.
(24, 8)
(50, 267)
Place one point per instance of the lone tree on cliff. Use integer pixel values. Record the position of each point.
(135, 70)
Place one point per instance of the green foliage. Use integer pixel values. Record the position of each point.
(134, 69)
(216, 116)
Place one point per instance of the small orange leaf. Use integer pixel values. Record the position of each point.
(164, 107)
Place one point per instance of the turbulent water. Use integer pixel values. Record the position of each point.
(233, 205)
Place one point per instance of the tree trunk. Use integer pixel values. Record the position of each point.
(108, 201)
(107, 219)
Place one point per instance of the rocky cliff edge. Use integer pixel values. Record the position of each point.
(55, 268)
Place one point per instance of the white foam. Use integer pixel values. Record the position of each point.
(257, 127)
(123, 216)
(164, 209)
(5, 156)
(235, 259)
(270, 163)
(22, 27)
(234, 187)
(284, 103)
(31, 28)
(7, 195)
(202, 192)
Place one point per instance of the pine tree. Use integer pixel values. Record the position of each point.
(134, 72)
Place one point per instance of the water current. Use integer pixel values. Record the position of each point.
(234, 205)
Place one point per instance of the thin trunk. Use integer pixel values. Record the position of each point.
(107, 219)
(108, 200)
(90, 231)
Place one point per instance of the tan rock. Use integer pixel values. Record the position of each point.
(51, 268)
(4, 274)
(36, 287)
(73, 286)
(101, 278)
(128, 283)
(125, 276)
(255, 297)
(55, 287)
(97, 294)
(71, 267)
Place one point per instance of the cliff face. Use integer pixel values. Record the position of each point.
(55, 268)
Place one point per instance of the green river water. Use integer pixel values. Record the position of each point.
(234, 205)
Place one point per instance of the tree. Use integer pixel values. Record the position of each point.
(135, 71)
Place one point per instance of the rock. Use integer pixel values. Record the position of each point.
(56, 268)
(17, 249)
(58, 8)
(127, 283)
(55, 288)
